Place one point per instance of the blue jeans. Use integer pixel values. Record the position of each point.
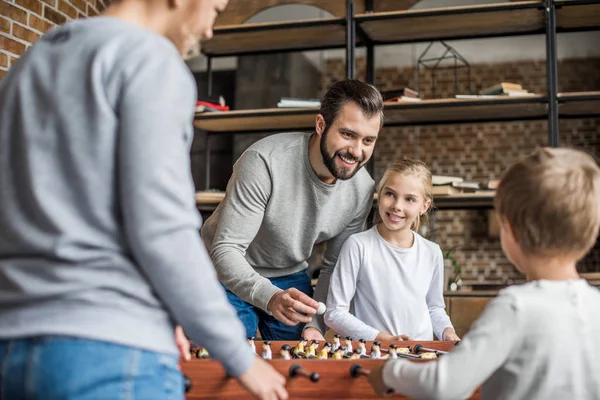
(270, 328)
(58, 367)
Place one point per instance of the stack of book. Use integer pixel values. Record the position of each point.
(291, 102)
(444, 185)
(211, 105)
(399, 95)
(502, 89)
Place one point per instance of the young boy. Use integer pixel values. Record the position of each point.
(538, 340)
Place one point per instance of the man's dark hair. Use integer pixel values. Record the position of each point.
(364, 95)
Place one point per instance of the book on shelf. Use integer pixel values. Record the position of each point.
(204, 106)
(445, 179)
(501, 88)
(291, 102)
(396, 94)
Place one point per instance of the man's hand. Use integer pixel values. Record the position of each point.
(450, 335)
(376, 382)
(183, 344)
(263, 381)
(287, 305)
(312, 334)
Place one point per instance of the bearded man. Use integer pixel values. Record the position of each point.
(287, 193)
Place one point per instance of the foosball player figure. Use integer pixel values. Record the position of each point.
(355, 354)
(392, 352)
(348, 345)
(285, 352)
(361, 346)
(311, 351)
(251, 343)
(324, 352)
(339, 353)
(336, 343)
(299, 349)
(428, 355)
(202, 353)
(376, 350)
(267, 354)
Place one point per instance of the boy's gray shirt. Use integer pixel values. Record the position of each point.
(98, 223)
(274, 211)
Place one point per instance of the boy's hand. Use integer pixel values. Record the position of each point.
(376, 382)
(263, 381)
(450, 335)
(183, 344)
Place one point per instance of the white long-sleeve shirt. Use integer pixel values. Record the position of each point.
(393, 290)
(539, 340)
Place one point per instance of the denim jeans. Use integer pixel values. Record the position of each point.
(55, 367)
(271, 329)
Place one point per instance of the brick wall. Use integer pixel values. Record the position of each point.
(480, 151)
(22, 22)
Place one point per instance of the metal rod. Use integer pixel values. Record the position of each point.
(350, 39)
(357, 370)
(207, 160)
(371, 64)
(297, 370)
(551, 71)
(420, 349)
(209, 77)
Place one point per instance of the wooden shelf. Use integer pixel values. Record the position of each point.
(275, 37)
(269, 119)
(467, 22)
(464, 201)
(579, 105)
(445, 111)
(402, 113)
(577, 15)
(209, 200)
(463, 22)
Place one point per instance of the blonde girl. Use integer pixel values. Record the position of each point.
(391, 274)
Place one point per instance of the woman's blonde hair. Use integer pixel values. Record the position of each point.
(407, 166)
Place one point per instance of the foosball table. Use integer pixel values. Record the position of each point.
(312, 371)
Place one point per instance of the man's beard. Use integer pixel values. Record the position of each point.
(342, 173)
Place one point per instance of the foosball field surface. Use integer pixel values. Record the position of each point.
(306, 378)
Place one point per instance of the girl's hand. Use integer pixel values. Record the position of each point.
(450, 335)
(400, 338)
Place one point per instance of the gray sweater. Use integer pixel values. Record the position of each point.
(274, 211)
(98, 226)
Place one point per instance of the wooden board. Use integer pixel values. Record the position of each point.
(404, 113)
(572, 16)
(464, 110)
(257, 120)
(489, 20)
(579, 104)
(209, 200)
(465, 310)
(238, 12)
(276, 36)
(209, 380)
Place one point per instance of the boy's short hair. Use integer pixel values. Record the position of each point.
(551, 200)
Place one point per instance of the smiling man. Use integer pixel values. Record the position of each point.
(287, 193)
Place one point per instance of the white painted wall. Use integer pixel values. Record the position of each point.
(570, 45)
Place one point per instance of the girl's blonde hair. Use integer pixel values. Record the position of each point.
(407, 166)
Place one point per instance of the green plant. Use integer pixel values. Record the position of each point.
(449, 255)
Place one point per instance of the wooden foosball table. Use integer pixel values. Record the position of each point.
(308, 376)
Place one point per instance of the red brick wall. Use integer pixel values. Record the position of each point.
(480, 151)
(22, 22)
